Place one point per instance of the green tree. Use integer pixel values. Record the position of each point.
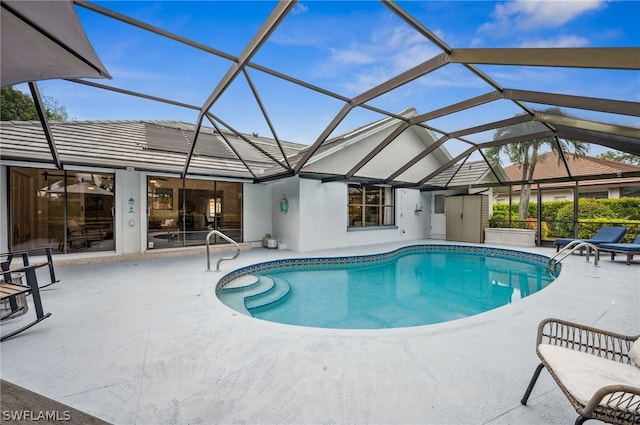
(629, 158)
(527, 154)
(19, 106)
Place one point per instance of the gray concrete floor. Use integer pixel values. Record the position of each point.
(146, 341)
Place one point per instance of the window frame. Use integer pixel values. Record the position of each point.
(371, 201)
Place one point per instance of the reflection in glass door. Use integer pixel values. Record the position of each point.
(68, 211)
(183, 212)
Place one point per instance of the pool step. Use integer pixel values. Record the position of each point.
(267, 299)
(241, 283)
(242, 288)
(251, 292)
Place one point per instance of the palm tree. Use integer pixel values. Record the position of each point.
(527, 153)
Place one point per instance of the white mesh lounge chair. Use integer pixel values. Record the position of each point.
(598, 371)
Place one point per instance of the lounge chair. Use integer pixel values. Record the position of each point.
(606, 234)
(598, 371)
(629, 249)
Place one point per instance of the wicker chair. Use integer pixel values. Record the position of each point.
(593, 369)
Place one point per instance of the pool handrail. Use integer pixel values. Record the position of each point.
(570, 248)
(228, 239)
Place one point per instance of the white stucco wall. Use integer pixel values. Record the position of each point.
(323, 218)
(342, 158)
(257, 211)
(316, 219)
(130, 219)
(286, 227)
(402, 150)
(323, 214)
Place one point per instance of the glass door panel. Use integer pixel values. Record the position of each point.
(90, 203)
(67, 211)
(228, 201)
(163, 222)
(182, 213)
(195, 215)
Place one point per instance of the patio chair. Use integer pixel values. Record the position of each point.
(606, 234)
(10, 291)
(8, 257)
(598, 371)
(628, 249)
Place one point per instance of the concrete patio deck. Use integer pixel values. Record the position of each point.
(146, 341)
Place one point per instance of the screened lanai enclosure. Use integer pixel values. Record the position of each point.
(260, 91)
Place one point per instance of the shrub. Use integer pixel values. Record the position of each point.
(532, 224)
(550, 209)
(587, 209)
(628, 208)
(593, 214)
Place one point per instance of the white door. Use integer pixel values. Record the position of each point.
(438, 218)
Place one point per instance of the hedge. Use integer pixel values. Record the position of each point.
(557, 217)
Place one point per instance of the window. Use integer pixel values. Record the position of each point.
(630, 192)
(438, 201)
(371, 206)
(594, 195)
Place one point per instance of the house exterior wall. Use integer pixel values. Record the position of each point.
(286, 226)
(130, 221)
(257, 212)
(341, 159)
(317, 217)
(130, 218)
(330, 231)
(323, 218)
(560, 194)
(402, 150)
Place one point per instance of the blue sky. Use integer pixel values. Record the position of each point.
(347, 48)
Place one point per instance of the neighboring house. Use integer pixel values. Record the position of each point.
(580, 167)
(123, 187)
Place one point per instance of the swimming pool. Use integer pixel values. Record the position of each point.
(411, 286)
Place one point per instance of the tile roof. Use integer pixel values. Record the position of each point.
(549, 166)
(467, 174)
(160, 146)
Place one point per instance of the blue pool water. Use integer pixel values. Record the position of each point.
(413, 286)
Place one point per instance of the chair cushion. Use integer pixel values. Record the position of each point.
(626, 247)
(634, 353)
(582, 374)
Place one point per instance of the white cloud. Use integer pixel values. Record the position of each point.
(351, 57)
(559, 41)
(299, 8)
(387, 52)
(523, 15)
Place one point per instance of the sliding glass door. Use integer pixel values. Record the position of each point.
(67, 210)
(183, 212)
